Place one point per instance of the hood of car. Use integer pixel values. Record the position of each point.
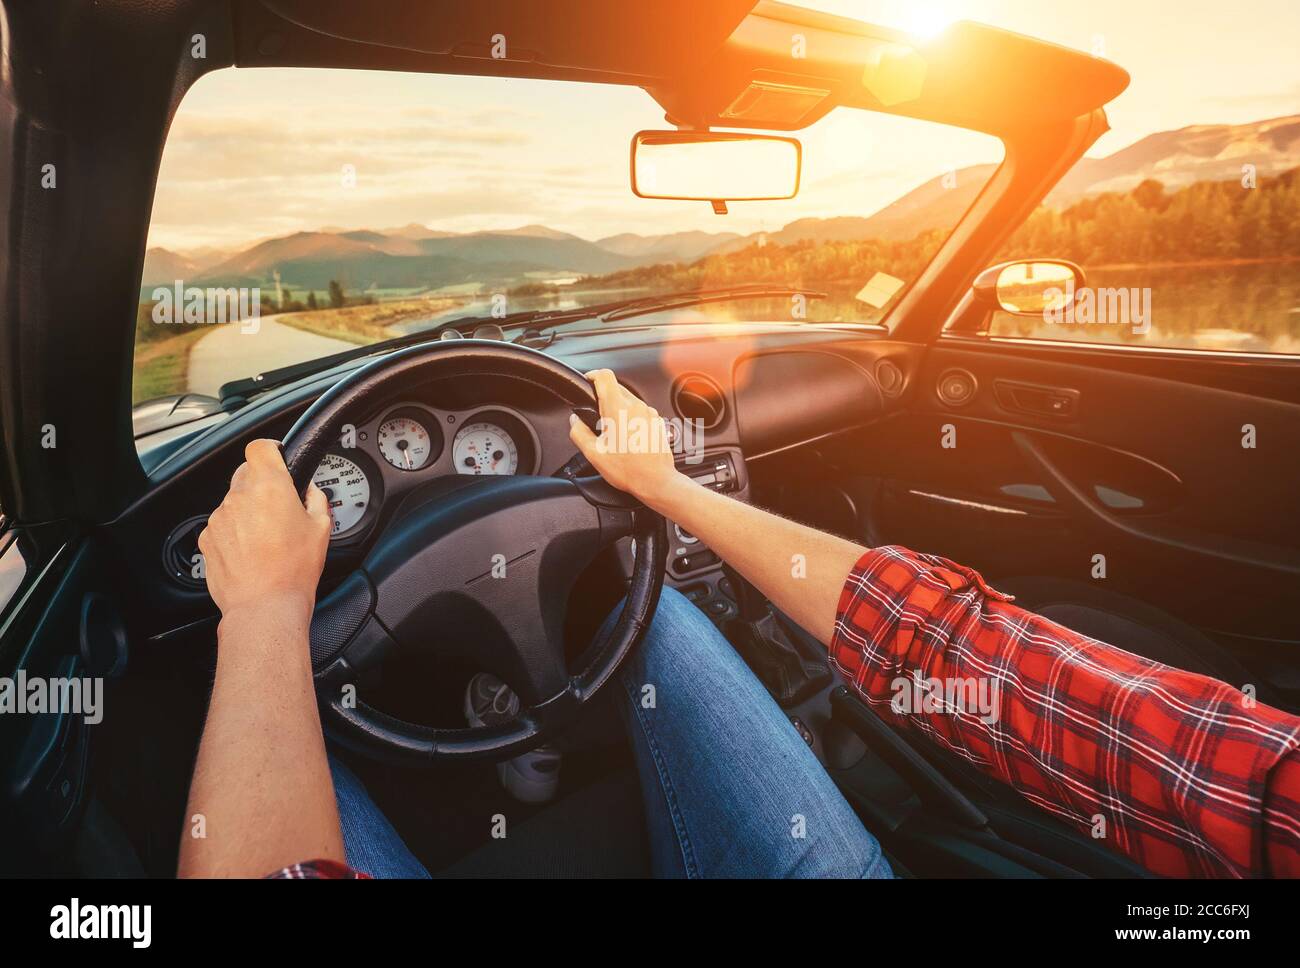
(171, 411)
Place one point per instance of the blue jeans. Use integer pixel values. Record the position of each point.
(730, 788)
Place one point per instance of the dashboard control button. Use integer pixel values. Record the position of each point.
(718, 473)
(695, 593)
(685, 564)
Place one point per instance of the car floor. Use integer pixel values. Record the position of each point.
(447, 816)
(447, 812)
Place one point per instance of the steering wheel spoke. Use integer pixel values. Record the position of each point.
(485, 574)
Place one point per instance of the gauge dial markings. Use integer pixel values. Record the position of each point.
(405, 442)
(346, 488)
(483, 448)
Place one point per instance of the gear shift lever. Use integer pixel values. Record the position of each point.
(791, 668)
(750, 602)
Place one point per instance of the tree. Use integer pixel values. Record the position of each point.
(311, 300)
(1151, 195)
(336, 294)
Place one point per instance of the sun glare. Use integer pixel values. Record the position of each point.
(926, 22)
(922, 20)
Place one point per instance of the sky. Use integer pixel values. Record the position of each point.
(254, 154)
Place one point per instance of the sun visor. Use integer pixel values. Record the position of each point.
(783, 68)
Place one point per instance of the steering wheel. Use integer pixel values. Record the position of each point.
(491, 558)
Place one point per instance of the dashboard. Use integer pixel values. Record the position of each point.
(765, 389)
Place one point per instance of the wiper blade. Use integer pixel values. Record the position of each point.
(247, 386)
(269, 379)
(236, 390)
(627, 308)
(680, 300)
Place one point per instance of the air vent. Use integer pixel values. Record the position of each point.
(180, 552)
(696, 397)
(956, 387)
(889, 377)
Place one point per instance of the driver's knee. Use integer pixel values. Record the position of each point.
(683, 654)
(680, 641)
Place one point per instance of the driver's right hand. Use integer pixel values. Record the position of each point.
(631, 451)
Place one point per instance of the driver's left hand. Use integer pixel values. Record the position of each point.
(261, 546)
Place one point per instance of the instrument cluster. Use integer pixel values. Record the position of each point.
(410, 443)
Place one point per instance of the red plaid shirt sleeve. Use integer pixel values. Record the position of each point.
(317, 870)
(1189, 776)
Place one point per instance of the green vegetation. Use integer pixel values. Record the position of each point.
(1207, 221)
(819, 265)
(162, 352)
(161, 365)
(1204, 222)
(534, 289)
(162, 355)
(367, 322)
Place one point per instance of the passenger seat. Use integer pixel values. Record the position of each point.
(1131, 625)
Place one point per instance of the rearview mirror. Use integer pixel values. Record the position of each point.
(1030, 287)
(711, 166)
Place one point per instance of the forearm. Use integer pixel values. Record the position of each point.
(261, 784)
(801, 570)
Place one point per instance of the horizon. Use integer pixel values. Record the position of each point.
(333, 229)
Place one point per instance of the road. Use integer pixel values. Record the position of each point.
(228, 354)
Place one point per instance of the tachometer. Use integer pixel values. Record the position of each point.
(346, 488)
(405, 442)
(484, 448)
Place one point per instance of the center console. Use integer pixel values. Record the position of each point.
(693, 568)
(789, 663)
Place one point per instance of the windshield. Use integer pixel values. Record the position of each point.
(302, 213)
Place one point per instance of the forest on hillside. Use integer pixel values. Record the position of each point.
(1205, 221)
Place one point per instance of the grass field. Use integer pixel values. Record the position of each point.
(161, 365)
(365, 324)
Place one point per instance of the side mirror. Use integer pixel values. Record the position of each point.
(1029, 287)
(712, 166)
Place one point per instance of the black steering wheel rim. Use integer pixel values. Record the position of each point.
(354, 627)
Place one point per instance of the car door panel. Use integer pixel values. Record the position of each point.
(44, 781)
(1179, 470)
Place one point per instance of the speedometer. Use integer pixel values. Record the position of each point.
(484, 448)
(346, 488)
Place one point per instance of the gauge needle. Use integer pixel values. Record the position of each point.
(406, 456)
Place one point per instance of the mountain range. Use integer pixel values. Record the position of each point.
(415, 256)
